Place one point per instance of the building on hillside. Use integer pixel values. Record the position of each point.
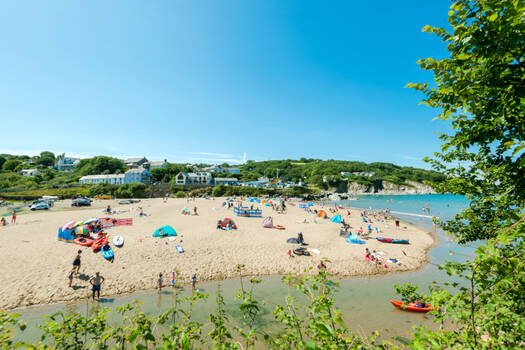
(29, 172)
(160, 164)
(358, 173)
(219, 169)
(130, 176)
(261, 182)
(230, 181)
(67, 163)
(197, 178)
(135, 162)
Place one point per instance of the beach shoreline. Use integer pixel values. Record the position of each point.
(213, 254)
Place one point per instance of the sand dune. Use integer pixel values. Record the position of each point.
(35, 264)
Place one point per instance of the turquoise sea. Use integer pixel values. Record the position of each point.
(364, 301)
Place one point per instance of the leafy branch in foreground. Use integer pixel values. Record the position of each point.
(480, 90)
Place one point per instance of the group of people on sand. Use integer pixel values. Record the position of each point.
(95, 281)
(374, 257)
(3, 221)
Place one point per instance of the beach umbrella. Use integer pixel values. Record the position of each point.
(68, 226)
(89, 221)
(78, 223)
(81, 231)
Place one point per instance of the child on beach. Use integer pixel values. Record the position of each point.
(70, 277)
(193, 281)
(3, 221)
(173, 279)
(13, 218)
(159, 282)
(76, 262)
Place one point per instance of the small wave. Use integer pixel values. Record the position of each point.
(412, 214)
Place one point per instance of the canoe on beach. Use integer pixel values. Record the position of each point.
(392, 240)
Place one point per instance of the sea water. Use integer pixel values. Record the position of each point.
(364, 301)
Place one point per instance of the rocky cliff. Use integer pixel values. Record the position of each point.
(385, 187)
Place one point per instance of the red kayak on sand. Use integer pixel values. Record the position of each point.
(411, 306)
(99, 243)
(83, 241)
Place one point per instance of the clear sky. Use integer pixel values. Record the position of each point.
(207, 81)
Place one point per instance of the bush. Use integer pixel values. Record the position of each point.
(180, 194)
(218, 191)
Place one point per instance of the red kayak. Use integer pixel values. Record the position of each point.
(99, 243)
(83, 241)
(411, 306)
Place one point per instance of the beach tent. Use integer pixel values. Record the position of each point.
(65, 235)
(336, 219)
(302, 206)
(164, 231)
(268, 222)
(321, 214)
(310, 204)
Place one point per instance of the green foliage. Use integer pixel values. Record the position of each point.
(11, 164)
(180, 194)
(46, 159)
(99, 165)
(408, 292)
(134, 190)
(103, 189)
(219, 191)
(479, 89)
(2, 161)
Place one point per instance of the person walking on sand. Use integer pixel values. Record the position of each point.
(13, 217)
(195, 211)
(159, 282)
(96, 282)
(173, 279)
(76, 262)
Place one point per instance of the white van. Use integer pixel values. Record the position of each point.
(50, 198)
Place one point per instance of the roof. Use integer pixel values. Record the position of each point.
(160, 162)
(134, 160)
(226, 179)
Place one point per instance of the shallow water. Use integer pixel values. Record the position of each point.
(364, 301)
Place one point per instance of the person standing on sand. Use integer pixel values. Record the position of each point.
(96, 281)
(70, 277)
(195, 211)
(76, 262)
(159, 282)
(397, 223)
(13, 217)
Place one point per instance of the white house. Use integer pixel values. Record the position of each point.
(197, 178)
(131, 176)
(30, 172)
(67, 163)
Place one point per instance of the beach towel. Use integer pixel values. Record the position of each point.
(106, 222)
(353, 239)
(313, 250)
(123, 222)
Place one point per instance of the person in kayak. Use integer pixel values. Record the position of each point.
(421, 304)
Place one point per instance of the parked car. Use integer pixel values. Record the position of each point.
(81, 202)
(40, 201)
(40, 206)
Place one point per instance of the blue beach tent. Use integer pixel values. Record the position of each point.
(336, 219)
(165, 231)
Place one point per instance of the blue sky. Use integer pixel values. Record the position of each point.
(207, 81)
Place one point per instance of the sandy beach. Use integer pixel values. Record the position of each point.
(35, 264)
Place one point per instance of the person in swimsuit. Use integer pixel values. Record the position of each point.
(70, 277)
(3, 222)
(96, 281)
(76, 262)
(13, 218)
